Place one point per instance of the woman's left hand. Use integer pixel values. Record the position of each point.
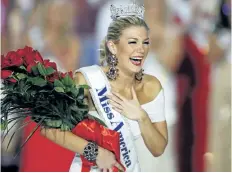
(129, 108)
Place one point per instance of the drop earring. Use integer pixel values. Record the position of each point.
(112, 61)
(139, 75)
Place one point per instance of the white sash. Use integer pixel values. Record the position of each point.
(100, 86)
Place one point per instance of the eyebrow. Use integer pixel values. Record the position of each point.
(137, 39)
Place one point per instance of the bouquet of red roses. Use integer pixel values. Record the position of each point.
(34, 87)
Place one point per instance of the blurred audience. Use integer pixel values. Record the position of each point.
(51, 31)
(86, 22)
(196, 71)
(4, 46)
(193, 87)
(218, 155)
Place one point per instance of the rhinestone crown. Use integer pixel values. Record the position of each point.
(132, 9)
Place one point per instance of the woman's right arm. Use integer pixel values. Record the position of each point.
(77, 144)
(67, 139)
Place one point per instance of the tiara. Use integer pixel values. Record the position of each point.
(132, 9)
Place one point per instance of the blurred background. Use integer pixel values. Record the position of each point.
(190, 54)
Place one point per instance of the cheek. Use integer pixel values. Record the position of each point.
(125, 51)
(146, 49)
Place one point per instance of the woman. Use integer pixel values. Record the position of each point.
(135, 99)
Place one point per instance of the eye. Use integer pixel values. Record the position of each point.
(132, 42)
(146, 42)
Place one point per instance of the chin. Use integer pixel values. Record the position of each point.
(138, 70)
(135, 69)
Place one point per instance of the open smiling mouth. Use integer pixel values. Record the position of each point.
(136, 61)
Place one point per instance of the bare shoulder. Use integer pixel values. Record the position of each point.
(152, 86)
(80, 80)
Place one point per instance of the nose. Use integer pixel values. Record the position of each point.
(140, 48)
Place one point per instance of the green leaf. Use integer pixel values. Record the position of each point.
(15, 131)
(49, 71)
(42, 69)
(38, 81)
(44, 91)
(22, 67)
(53, 123)
(83, 107)
(58, 83)
(35, 70)
(84, 86)
(26, 87)
(65, 127)
(67, 89)
(67, 80)
(74, 91)
(74, 108)
(3, 124)
(15, 78)
(16, 122)
(59, 89)
(81, 94)
(20, 76)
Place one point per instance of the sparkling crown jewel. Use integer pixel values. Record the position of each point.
(132, 9)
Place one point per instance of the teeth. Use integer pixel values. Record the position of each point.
(135, 58)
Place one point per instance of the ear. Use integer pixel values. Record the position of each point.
(112, 47)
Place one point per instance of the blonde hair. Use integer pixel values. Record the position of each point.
(115, 31)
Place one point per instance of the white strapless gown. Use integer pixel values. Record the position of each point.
(168, 161)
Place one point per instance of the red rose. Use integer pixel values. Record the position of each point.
(71, 74)
(11, 59)
(53, 77)
(33, 57)
(5, 74)
(47, 64)
(25, 51)
(38, 57)
(12, 80)
(29, 67)
(62, 75)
